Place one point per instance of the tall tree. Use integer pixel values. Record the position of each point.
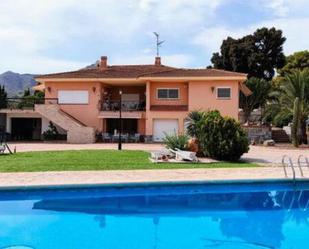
(292, 103)
(260, 93)
(257, 54)
(27, 92)
(3, 97)
(298, 60)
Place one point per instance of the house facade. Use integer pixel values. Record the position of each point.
(154, 99)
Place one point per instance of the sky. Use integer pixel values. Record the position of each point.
(45, 36)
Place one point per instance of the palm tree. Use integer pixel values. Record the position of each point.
(294, 103)
(260, 93)
(194, 123)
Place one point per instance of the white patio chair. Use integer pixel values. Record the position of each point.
(2, 148)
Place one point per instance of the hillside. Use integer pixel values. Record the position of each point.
(16, 83)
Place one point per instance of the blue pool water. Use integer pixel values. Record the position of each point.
(177, 216)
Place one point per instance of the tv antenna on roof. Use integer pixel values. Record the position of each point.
(158, 42)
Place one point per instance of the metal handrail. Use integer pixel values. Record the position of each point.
(114, 105)
(290, 164)
(28, 102)
(300, 162)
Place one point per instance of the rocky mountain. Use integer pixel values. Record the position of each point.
(16, 83)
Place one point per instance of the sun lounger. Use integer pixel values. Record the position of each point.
(159, 155)
(185, 155)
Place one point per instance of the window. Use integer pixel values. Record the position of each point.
(171, 93)
(73, 97)
(223, 93)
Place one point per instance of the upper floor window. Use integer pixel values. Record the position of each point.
(75, 97)
(223, 92)
(168, 93)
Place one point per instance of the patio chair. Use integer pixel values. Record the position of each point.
(106, 137)
(135, 138)
(2, 148)
(125, 138)
(185, 155)
(3, 144)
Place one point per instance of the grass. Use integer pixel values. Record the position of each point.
(94, 160)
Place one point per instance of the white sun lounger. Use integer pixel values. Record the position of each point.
(157, 155)
(185, 155)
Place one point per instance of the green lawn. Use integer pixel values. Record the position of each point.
(93, 160)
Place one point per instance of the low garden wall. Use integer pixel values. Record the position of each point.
(258, 133)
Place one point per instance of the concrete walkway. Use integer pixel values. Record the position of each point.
(273, 155)
(139, 176)
(32, 146)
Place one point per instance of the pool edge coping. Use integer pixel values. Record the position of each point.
(148, 183)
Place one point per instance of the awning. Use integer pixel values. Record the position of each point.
(244, 89)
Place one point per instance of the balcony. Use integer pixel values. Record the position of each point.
(129, 109)
(126, 106)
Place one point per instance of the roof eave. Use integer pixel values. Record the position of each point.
(145, 78)
(194, 78)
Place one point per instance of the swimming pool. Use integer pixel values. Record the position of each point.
(164, 216)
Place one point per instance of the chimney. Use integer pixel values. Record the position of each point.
(158, 61)
(103, 63)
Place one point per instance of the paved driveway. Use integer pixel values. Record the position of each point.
(259, 154)
(273, 155)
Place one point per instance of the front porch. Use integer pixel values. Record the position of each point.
(129, 98)
(133, 130)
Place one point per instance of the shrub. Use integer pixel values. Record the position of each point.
(194, 123)
(223, 138)
(176, 141)
(52, 132)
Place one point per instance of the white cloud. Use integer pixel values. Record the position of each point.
(35, 30)
(58, 35)
(211, 38)
(40, 65)
(175, 60)
(280, 7)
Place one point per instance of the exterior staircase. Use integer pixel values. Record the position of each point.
(77, 132)
(280, 136)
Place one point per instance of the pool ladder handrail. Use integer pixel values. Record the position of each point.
(289, 164)
(300, 162)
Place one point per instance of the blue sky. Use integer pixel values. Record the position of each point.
(43, 36)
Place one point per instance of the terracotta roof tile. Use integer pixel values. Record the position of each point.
(121, 71)
(136, 71)
(182, 72)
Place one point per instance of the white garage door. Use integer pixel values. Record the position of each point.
(162, 126)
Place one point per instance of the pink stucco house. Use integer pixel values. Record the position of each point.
(154, 98)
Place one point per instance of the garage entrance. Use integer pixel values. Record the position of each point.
(164, 126)
(26, 128)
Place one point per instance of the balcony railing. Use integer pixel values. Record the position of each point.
(125, 105)
(27, 103)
